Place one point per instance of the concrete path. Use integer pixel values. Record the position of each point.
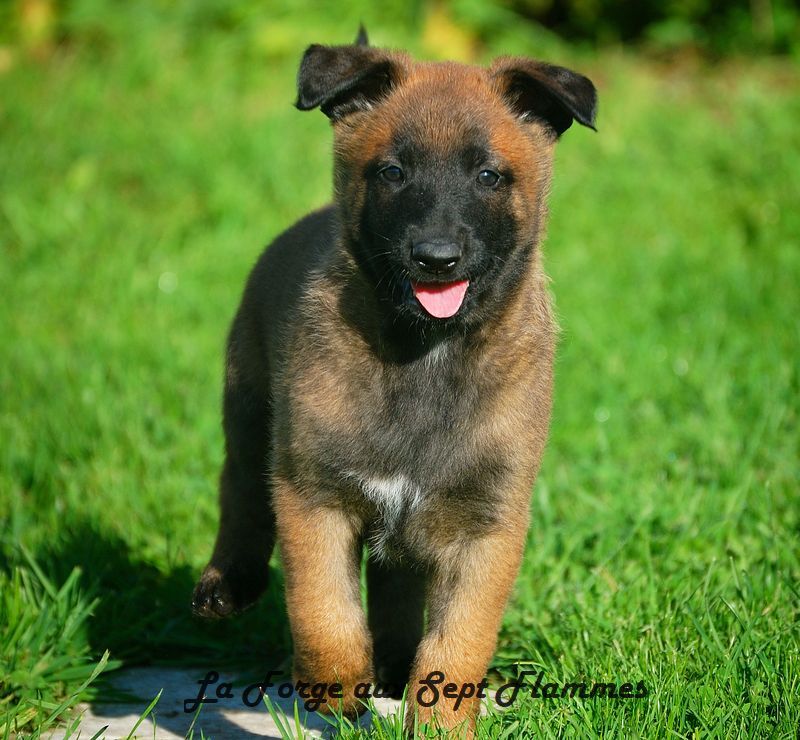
(228, 719)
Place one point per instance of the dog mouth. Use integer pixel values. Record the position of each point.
(440, 300)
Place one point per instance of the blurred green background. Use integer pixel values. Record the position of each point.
(148, 151)
(713, 26)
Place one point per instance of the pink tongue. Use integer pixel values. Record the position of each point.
(441, 301)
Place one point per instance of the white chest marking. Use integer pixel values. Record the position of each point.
(391, 495)
(394, 497)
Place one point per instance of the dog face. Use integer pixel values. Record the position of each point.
(441, 171)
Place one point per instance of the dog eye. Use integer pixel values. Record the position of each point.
(392, 174)
(488, 178)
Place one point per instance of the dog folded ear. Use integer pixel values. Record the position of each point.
(342, 79)
(555, 95)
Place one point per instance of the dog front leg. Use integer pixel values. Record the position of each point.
(321, 553)
(466, 598)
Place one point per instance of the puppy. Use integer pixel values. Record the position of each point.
(389, 373)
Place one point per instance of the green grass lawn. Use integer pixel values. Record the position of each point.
(140, 175)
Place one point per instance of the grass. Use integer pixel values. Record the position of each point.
(140, 174)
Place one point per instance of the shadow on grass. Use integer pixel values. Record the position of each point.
(143, 617)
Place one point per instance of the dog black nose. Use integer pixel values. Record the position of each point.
(436, 256)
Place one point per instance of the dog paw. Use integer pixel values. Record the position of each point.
(392, 676)
(220, 594)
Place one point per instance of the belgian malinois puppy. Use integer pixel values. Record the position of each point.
(389, 373)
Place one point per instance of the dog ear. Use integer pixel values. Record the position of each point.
(342, 79)
(555, 95)
(361, 39)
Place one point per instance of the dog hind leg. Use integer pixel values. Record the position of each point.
(239, 567)
(395, 610)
